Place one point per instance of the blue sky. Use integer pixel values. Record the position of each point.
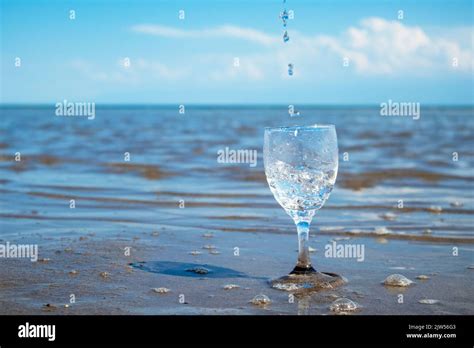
(192, 60)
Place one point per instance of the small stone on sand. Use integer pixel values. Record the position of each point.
(105, 274)
(49, 307)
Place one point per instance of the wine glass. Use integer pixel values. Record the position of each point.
(301, 165)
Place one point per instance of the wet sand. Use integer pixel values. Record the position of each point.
(75, 265)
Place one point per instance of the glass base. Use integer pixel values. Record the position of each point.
(308, 279)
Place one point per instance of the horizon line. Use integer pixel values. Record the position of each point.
(200, 105)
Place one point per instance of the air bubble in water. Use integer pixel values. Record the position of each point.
(286, 286)
(397, 280)
(290, 69)
(428, 301)
(231, 286)
(161, 290)
(422, 277)
(286, 38)
(261, 300)
(344, 305)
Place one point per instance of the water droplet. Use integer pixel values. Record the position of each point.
(428, 301)
(344, 305)
(261, 300)
(198, 270)
(231, 286)
(397, 280)
(422, 277)
(286, 38)
(161, 290)
(284, 17)
(290, 69)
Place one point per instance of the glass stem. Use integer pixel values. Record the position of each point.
(304, 261)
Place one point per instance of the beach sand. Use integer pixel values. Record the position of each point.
(28, 288)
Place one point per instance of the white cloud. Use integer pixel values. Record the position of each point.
(375, 46)
(140, 70)
(225, 31)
